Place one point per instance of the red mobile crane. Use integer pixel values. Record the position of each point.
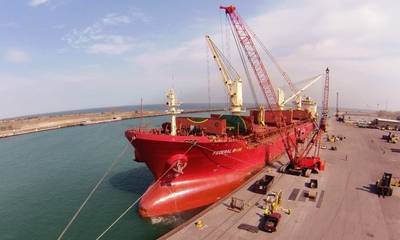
(337, 105)
(299, 161)
(249, 48)
(324, 117)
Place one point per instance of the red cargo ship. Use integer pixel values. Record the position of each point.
(197, 161)
(208, 157)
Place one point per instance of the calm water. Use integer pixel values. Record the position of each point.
(45, 176)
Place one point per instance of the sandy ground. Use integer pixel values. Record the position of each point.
(25, 125)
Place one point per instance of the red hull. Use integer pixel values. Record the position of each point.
(212, 169)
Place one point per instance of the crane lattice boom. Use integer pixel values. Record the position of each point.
(299, 159)
(253, 56)
(326, 95)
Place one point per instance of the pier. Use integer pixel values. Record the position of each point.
(31, 124)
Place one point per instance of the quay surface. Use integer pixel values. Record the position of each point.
(346, 206)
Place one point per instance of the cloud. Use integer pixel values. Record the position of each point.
(100, 37)
(35, 3)
(16, 56)
(355, 39)
(133, 15)
(115, 19)
(116, 45)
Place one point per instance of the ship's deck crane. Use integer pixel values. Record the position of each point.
(232, 80)
(298, 160)
(296, 95)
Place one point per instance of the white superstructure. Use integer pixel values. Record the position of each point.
(173, 109)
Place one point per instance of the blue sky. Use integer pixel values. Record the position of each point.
(68, 54)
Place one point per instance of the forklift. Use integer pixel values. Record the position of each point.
(271, 216)
(383, 187)
(391, 137)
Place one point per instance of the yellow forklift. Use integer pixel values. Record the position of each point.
(383, 186)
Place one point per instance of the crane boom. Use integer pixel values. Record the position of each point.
(337, 105)
(232, 80)
(253, 56)
(302, 90)
(326, 94)
(284, 74)
(324, 117)
(298, 160)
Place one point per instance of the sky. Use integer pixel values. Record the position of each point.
(58, 55)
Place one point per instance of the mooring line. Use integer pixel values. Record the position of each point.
(137, 200)
(116, 220)
(114, 162)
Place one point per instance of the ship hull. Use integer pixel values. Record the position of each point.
(209, 171)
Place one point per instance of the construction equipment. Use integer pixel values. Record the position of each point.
(296, 95)
(324, 117)
(273, 200)
(232, 80)
(271, 216)
(246, 41)
(394, 138)
(302, 163)
(271, 222)
(395, 182)
(299, 160)
(331, 138)
(199, 224)
(383, 187)
(391, 137)
(337, 105)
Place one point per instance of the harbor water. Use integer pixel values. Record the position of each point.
(45, 177)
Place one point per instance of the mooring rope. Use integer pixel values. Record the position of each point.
(114, 162)
(137, 200)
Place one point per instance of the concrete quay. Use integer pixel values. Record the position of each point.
(346, 206)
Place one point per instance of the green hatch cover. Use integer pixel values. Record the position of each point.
(232, 122)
